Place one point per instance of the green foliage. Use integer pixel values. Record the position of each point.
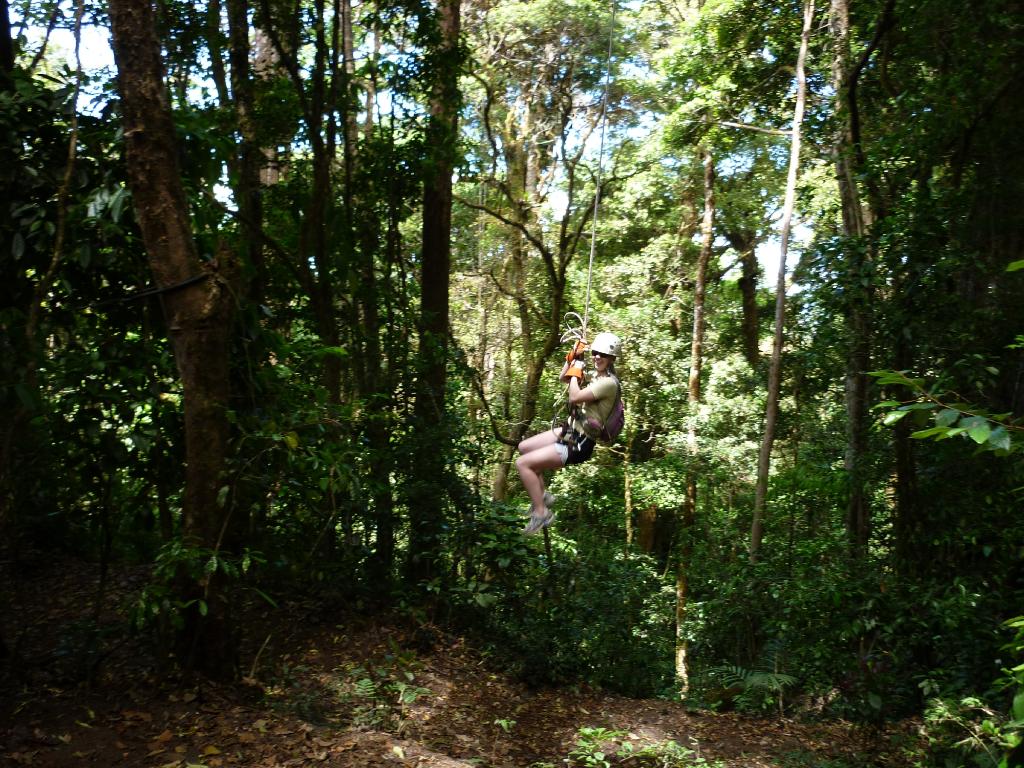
(603, 748)
(591, 747)
(322, 481)
(379, 695)
(996, 432)
(986, 734)
(539, 615)
(760, 689)
(179, 566)
(968, 731)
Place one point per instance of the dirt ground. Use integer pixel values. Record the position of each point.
(326, 690)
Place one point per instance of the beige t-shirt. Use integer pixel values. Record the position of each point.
(605, 389)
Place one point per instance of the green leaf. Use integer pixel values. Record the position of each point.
(1018, 706)
(893, 416)
(211, 564)
(978, 429)
(947, 417)
(889, 377)
(265, 596)
(222, 495)
(292, 440)
(203, 608)
(117, 204)
(930, 432)
(1015, 266)
(26, 396)
(875, 700)
(332, 352)
(1000, 439)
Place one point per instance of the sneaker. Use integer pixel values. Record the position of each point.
(549, 518)
(549, 500)
(537, 521)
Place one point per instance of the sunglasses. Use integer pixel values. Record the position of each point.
(599, 354)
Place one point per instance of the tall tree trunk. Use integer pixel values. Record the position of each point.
(6, 44)
(627, 492)
(250, 156)
(215, 43)
(744, 242)
(685, 552)
(197, 306)
(859, 289)
(908, 523)
(748, 292)
(775, 366)
(427, 507)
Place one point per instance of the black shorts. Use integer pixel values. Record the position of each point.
(580, 446)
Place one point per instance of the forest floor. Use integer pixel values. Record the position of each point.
(324, 688)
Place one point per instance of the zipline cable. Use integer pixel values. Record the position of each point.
(600, 167)
(576, 333)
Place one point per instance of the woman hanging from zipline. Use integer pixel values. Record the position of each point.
(573, 441)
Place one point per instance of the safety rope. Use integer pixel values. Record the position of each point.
(600, 167)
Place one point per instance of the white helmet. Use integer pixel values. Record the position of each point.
(606, 344)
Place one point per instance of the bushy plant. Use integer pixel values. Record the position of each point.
(604, 748)
(587, 616)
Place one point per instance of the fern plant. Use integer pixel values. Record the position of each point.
(759, 688)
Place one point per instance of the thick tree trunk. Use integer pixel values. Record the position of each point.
(908, 524)
(627, 493)
(6, 44)
(689, 514)
(427, 506)
(250, 156)
(197, 303)
(748, 293)
(859, 289)
(775, 367)
(647, 529)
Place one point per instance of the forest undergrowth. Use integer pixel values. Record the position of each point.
(323, 685)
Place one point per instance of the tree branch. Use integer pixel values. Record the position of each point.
(758, 129)
(516, 225)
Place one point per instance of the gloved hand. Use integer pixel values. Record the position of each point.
(576, 371)
(578, 352)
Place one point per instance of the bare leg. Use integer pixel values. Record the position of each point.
(538, 454)
(539, 440)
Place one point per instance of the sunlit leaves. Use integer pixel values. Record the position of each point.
(993, 432)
